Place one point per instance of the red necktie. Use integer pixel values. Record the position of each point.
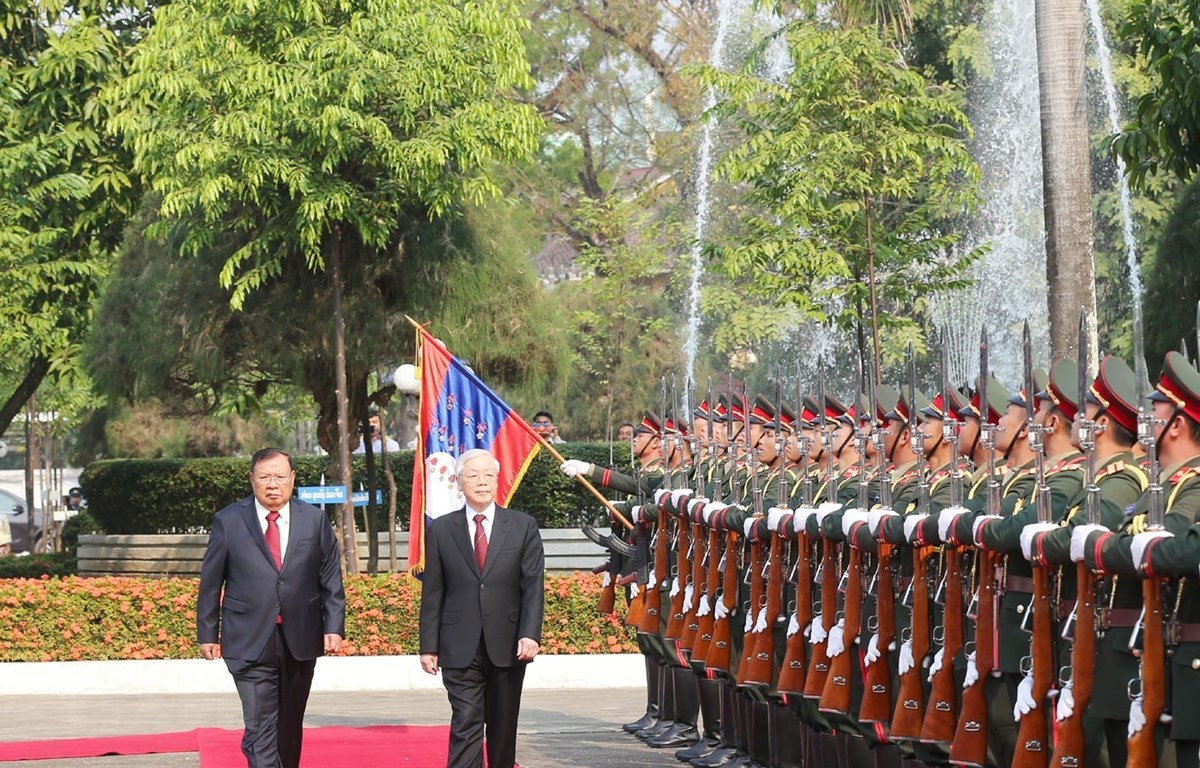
(273, 538)
(480, 541)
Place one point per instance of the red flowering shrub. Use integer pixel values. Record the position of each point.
(74, 618)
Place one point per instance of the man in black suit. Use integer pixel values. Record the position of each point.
(277, 560)
(481, 613)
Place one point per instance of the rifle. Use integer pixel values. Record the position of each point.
(651, 619)
(758, 590)
(683, 576)
(909, 714)
(691, 599)
(942, 709)
(970, 737)
(706, 610)
(608, 593)
(818, 669)
(1079, 676)
(1033, 734)
(722, 642)
(637, 604)
(1142, 750)
(877, 702)
(793, 672)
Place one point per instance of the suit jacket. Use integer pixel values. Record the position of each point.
(307, 592)
(503, 603)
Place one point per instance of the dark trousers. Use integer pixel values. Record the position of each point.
(274, 693)
(483, 697)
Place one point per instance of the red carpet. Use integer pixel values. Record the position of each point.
(374, 746)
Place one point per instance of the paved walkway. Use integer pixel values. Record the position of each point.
(558, 729)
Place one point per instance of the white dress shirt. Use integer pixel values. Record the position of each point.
(284, 522)
(489, 515)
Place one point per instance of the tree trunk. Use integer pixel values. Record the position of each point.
(35, 374)
(1066, 171)
(346, 518)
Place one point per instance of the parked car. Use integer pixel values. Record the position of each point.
(13, 507)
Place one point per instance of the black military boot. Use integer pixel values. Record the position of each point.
(726, 753)
(687, 709)
(710, 711)
(785, 737)
(652, 673)
(666, 705)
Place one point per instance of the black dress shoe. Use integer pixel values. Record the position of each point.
(718, 758)
(699, 749)
(645, 721)
(650, 731)
(681, 735)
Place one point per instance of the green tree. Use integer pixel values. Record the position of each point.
(303, 132)
(855, 170)
(1173, 286)
(65, 191)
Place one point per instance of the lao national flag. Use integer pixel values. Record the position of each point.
(458, 412)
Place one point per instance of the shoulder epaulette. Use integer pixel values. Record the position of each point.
(1073, 462)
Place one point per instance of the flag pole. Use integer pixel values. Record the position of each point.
(613, 511)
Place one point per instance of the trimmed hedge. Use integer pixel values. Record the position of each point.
(74, 618)
(138, 496)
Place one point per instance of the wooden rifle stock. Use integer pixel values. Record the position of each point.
(652, 616)
(757, 593)
(683, 567)
(762, 665)
(970, 738)
(722, 641)
(877, 703)
(1033, 734)
(712, 577)
(942, 709)
(691, 624)
(835, 697)
(818, 667)
(608, 594)
(1143, 753)
(637, 605)
(793, 671)
(1068, 736)
(909, 715)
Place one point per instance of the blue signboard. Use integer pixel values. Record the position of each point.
(360, 498)
(322, 494)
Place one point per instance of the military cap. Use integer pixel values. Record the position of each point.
(701, 411)
(1040, 380)
(1063, 388)
(1115, 393)
(937, 408)
(900, 411)
(1179, 384)
(732, 408)
(675, 426)
(650, 424)
(763, 411)
(998, 400)
(833, 409)
(787, 419)
(886, 399)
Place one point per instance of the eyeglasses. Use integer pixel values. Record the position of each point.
(543, 423)
(268, 479)
(471, 477)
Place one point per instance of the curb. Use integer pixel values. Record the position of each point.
(335, 673)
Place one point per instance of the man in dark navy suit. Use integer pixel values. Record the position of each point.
(277, 560)
(482, 600)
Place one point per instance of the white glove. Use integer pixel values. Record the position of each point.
(1066, 704)
(946, 520)
(825, 509)
(674, 587)
(937, 663)
(1137, 718)
(851, 518)
(575, 467)
(761, 622)
(1025, 702)
(633, 590)
(977, 526)
(907, 662)
(876, 517)
(704, 608)
(679, 493)
(748, 624)
(911, 523)
(800, 521)
(748, 525)
(606, 579)
(775, 516)
(710, 508)
(1029, 533)
(635, 513)
(688, 594)
(835, 644)
(793, 625)
(659, 494)
(972, 676)
(817, 633)
(652, 582)
(1141, 542)
(1079, 538)
(872, 655)
(721, 610)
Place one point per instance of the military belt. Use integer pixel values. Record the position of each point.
(1185, 633)
(1018, 584)
(1119, 618)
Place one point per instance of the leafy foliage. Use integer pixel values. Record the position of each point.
(74, 619)
(1174, 284)
(855, 165)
